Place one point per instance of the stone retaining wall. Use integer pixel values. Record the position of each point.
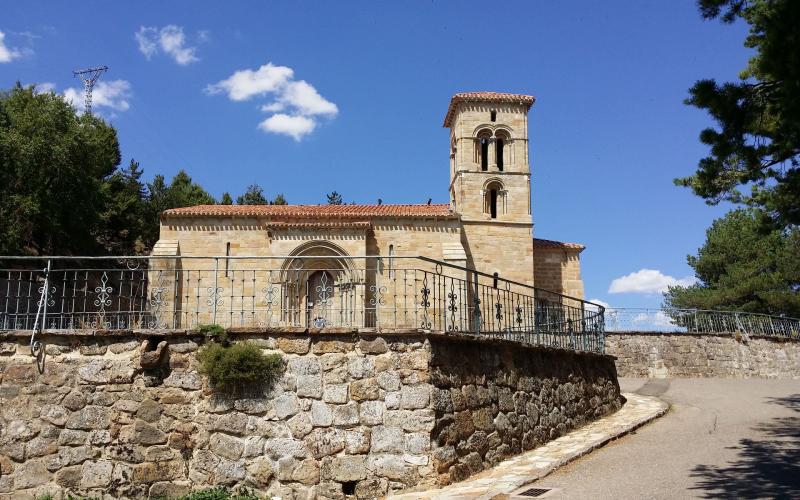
(353, 414)
(663, 355)
(492, 403)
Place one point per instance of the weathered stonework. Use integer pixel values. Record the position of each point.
(490, 403)
(662, 355)
(363, 413)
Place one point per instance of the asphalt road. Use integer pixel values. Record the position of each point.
(722, 438)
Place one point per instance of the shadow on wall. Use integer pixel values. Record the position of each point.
(765, 468)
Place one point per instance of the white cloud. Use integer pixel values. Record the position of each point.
(7, 54)
(296, 104)
(113, 95)
(592, 307)
(273, 107)
(307, 100)
(170, 40)
(246, 83)
(647, 281)
(295, 126)
(44, 87)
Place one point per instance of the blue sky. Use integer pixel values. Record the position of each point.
(192, 86)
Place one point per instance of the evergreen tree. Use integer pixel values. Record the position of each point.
(757, 143)
(54, 166)
(253, 196)
(279, 200)
(741, 267)
(125, 215)
(181, 192)
(226, 199)
(334, 198)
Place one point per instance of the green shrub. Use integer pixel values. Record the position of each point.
(238, 367)
(220, 493)
(214, 332)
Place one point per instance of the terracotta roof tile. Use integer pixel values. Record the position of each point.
(294, 212)
(540, 243)
(485, 96)
(329, 224)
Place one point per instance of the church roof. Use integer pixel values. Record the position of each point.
(540, 243)
(485, 97)
(312, 211)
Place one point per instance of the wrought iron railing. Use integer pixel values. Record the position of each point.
(700, 321)
(328, 291)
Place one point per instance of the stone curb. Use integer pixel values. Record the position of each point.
(510, 475)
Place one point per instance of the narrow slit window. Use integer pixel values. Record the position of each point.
(227, 254)
(493, 115)
(391, 261)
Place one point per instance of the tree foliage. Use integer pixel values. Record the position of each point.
(63, 189)
(742, 267)
(182, 191)
(53, 167)
(255, 196)
(334, 198)
(756, 146)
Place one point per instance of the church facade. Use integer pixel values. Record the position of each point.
(487, 226)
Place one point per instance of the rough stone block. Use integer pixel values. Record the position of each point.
(387, 439)
(321, 414)
(415, 396)
(226, 446)
(365, 389)
(344, 468)
(345, 415)
(294, 345)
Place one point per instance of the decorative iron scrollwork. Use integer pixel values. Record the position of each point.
(215, 296)
(425, 303)
(50, 300)
(324, 295)
(378, 293)
(157, 302)
(103, 294)
(452, 306)
(270, 291)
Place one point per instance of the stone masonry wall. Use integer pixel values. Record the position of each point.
(663, 355)
(494, 402)
(350, 414)
(353, 414)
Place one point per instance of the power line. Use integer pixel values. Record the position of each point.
(89, 77)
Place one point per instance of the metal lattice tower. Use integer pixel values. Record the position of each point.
(89, 77)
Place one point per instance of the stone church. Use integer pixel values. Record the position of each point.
(487, 225)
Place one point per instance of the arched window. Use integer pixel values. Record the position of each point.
(391, 261)
(493, 199)
(482, 149)
(500, 144)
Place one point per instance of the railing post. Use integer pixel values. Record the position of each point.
(477, 303)
(376, 297)
(214, 295)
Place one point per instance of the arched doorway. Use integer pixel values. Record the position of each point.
(321, 287)
(320, 296)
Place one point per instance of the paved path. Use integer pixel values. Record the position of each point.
(511, 474)
(722, 438)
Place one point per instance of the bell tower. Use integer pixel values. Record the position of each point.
(490, 179)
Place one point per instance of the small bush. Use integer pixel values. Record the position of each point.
(239, 367)
(220, 493)
(214, 332)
